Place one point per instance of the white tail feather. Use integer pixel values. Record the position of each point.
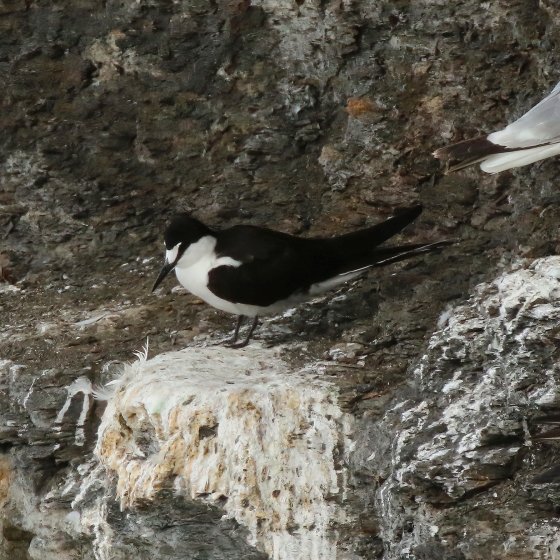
(509, 160)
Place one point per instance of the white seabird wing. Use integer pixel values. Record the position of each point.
(501, 162)
(541, 125)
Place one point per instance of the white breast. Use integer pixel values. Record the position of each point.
(192, 272)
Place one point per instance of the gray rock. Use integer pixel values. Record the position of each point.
(313, 118)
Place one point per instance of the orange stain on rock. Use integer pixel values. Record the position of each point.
(5, 476)
(357, 106)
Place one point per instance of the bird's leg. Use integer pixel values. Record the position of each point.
(248, 337)
(236, 333)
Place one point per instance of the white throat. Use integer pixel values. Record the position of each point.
(193, 268)
(202, 249)
(171, 255)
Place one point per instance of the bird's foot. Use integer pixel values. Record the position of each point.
(231, 342)
(235, 345)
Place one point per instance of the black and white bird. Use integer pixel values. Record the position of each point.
(532, 137)
(252, 271)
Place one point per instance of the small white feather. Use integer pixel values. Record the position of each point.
(106, 392)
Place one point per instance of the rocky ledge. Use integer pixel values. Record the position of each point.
(211, 453)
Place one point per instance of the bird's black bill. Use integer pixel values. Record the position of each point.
(164, 272)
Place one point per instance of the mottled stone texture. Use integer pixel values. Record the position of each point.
(238, 430)
(451, 449)
(312, 117)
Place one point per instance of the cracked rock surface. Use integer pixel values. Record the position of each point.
(238, 454)
(454, 449)
(314, 118)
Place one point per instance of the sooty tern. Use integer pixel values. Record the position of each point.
(252, 271)
(532, 137)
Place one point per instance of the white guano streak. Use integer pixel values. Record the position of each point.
(236, 425)
(81, 385)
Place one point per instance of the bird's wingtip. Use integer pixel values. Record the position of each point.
(416, 209)
(445, 242)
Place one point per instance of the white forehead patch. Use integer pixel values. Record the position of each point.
(171, 255)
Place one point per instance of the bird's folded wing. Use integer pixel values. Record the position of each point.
(262, 282)
(274, 266)
(247, 243)
(371, 237)
(541, 125)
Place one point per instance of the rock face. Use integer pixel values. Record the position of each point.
(234, 454)
(454, 445)
(421, 381)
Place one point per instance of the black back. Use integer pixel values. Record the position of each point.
(277, 265)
